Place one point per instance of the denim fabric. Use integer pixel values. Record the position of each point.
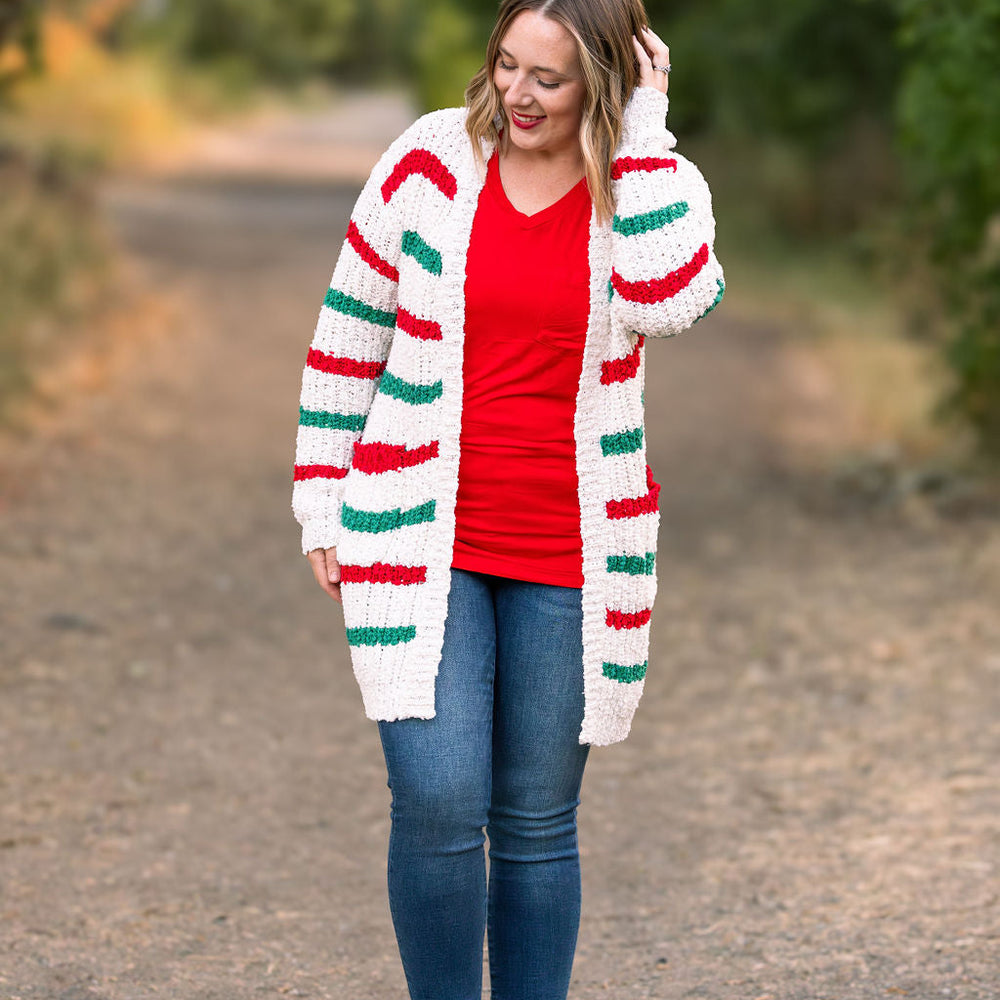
(501, 753)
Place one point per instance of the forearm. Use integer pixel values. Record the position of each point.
(346, 358)
(665, 275)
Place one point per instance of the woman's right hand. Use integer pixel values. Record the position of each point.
(653, 55)
(326, 569)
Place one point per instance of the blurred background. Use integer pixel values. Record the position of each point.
(192, 804)
(851, 148)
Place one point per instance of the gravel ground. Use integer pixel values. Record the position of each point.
(193, 806)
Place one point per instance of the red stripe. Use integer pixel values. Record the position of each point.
(420, 161)
(378, 457)
(367, 253)
(628, 619)
(383, 573)
(649, 503)
(422, 329)
(658, 289)
(303, 472)
(622, 369)
(647, 164)
(343, 366)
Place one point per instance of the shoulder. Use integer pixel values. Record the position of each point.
(436, 146)
(438, 131)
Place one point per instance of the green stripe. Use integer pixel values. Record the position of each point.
(636, 224)
(621, 444)
(355, 307)
(381, 636)
(633, 565)
(623, 674)
(375, 521)
(396, 387)
(716, 300)
(425, 255)
(331, 421)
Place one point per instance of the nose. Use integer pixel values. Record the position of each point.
(517, 94)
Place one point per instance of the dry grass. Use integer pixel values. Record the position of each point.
(871, 388)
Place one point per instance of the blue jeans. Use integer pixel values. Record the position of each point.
(501, 752)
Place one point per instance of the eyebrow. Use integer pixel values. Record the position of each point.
(534, 69)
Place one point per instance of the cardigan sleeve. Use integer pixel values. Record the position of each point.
(348, 352)
(665, 275)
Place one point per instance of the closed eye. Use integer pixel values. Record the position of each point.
(510, 69)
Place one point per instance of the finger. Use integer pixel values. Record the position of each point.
(648, 76)
(319, 563)
(654, 40)
(645, 64)
(332, 566)
(658, 49)
(333, 575)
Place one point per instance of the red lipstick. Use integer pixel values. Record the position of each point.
(526, 123)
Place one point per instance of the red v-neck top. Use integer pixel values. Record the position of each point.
(527, 303)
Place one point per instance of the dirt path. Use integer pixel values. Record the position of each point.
(192, 805)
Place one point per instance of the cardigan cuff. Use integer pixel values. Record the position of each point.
(319, 533)
(645, 118)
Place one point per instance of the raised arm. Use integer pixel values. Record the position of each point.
(665, 275)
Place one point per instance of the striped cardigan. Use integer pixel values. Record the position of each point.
(377, 455)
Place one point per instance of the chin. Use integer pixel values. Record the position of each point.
(530, 140)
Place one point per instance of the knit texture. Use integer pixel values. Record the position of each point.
(376, 471)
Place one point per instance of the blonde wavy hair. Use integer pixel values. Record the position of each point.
(603, 30)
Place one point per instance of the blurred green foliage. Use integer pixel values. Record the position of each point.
(54, 260)
(448, 50)
(949, 131)
(51, 246)
(19, 27)
(247, 42)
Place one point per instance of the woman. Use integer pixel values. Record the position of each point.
(471, 473)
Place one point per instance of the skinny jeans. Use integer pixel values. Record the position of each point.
(500, 759)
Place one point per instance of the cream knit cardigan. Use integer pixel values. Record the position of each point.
(381, 408)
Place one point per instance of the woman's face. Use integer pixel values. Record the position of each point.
(541, 84)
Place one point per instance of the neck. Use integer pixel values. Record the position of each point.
(565, 162)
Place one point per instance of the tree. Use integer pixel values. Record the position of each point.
(949, 127)
(253, 39)
(19, 30)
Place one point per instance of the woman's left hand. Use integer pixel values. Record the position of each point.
(652, 51)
